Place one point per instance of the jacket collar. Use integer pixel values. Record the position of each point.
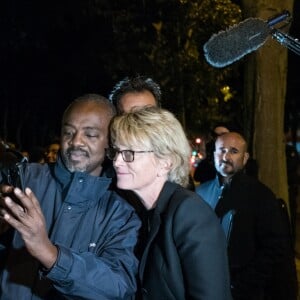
(234, 178)
(80, 185)
(164, 197)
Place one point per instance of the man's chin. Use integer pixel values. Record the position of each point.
(76, 167)
(226, 172)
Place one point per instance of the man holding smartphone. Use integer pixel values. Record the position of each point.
(73, 237)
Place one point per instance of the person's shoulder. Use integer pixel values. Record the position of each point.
(118, 200)
(182, 192)
(189, 200)
(117, 209)
(253, 186)
(36, 169)
(205, 185)
(190, 209)
(254, 182)
(37, 166)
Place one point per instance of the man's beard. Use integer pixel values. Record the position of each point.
(223, 169)
(72, 165)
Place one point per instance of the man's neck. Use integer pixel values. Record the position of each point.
(225, 179)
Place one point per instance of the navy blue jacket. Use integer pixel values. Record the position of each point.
(95, 231)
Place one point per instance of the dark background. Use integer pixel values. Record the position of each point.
(45, 63)
(293, 81)
(50, 53)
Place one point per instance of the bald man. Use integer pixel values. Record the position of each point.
(259, 242)
(230, 155)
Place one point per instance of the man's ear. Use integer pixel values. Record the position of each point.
(246, 157)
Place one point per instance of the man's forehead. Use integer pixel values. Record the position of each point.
(230, 142)
(137, 99)
(87, 115)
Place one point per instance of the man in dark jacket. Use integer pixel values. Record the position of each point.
(259, 242)
(71, 236)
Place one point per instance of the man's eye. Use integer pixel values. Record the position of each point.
(89, 135)
(67, 133)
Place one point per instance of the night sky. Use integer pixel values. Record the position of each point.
(46, 62)
(45, 65)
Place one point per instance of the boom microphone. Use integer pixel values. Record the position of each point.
(226, 47)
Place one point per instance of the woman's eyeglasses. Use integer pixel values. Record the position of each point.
(127, 155)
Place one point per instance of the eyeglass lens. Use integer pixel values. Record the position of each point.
(127, 155)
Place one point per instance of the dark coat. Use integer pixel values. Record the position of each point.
(259, 247)
(185, 257)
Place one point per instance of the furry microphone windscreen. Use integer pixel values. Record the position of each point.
(228, 46)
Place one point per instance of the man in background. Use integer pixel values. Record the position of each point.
(261, 258)
(52, 151)
(135, 91)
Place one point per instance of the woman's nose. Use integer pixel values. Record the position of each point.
(118, 159)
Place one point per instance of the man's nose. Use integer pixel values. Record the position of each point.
(226, 155)
(77, 139)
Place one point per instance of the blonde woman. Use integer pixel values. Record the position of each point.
(185, 253)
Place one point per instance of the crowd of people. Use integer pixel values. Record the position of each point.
(110, 211)
(36, 154)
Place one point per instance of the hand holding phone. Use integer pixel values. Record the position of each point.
(12, 173)
(15, 176)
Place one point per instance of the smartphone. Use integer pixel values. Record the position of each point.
(14, 176)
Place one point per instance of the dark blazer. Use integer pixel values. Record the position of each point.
(185, 257)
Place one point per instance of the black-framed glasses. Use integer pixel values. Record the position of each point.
(127, 155)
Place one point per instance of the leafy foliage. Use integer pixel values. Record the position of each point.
(54, 51)
(164, 39)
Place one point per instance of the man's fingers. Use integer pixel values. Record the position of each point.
(15, 208)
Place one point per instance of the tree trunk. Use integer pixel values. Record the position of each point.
(265, 91)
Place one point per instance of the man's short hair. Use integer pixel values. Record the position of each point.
(135, 84)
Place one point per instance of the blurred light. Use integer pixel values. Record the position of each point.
(196, 157)
(225, 89)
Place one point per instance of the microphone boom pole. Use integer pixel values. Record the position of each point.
(286, 40)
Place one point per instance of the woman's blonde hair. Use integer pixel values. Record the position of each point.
(155, 129)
